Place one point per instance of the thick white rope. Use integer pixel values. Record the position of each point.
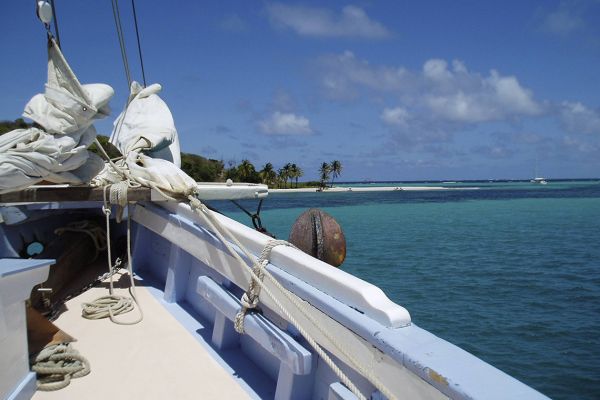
(251, 297)
(112, 305)
(57, 364)
(217, 228)
(118, 196)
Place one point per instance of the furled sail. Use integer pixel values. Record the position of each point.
(146, 126)
(57, 150)
(146, 136)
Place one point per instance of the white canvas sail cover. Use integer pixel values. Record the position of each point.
(145, 134)
(147, 126)
(160, 173)
(56, 152)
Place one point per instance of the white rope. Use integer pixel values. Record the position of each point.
(118, 196)
(251, 297)
(217, 228)
(57, 364)
(112, 305)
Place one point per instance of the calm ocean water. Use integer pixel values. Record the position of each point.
(509, 272)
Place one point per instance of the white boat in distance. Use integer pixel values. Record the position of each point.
(229, 311)
(539, 181)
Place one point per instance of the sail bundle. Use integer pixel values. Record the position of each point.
(56, 149)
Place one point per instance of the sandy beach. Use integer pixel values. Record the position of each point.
(368, 189)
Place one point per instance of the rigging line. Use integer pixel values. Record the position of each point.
(117, 18)
(55, 18)
(137, 33)
(242, 208)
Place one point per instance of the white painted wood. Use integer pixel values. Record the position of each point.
(233, 191)
(348, 289)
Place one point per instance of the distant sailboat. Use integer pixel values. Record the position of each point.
(537, 179)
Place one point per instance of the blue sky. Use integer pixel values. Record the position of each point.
(394, 90)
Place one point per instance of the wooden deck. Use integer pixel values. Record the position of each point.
(155, 359)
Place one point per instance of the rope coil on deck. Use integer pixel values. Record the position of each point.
(57, 364)
(112, 305)
(250, 298)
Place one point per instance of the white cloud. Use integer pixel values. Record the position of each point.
(435, 91)
(460, 107)
(577, 118)
(395, 116)
(563, 21)
(437, 70)
(512, 96)
(320, 22)
(285, 124)
(478, 99)
(342, 74)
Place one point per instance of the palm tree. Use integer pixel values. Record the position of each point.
(324, 172)
(267, 174)
(299, 174)
(287, 169)
(283, 177)
(293, 174)
(246, 170)
(336, 170)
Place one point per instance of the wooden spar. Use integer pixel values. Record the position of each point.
(59, 193)
(45, 194)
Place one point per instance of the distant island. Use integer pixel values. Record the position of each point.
(204, 169)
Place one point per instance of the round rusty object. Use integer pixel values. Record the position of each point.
(316, 233)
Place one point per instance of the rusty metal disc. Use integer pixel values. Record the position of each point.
(317, 233)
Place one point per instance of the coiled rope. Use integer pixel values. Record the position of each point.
(57, 364)
(112, 305)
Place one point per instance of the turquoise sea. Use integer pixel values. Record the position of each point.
(510, 272)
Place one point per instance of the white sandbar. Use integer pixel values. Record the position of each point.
(368, 189)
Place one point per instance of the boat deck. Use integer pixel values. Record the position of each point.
(154, 359)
